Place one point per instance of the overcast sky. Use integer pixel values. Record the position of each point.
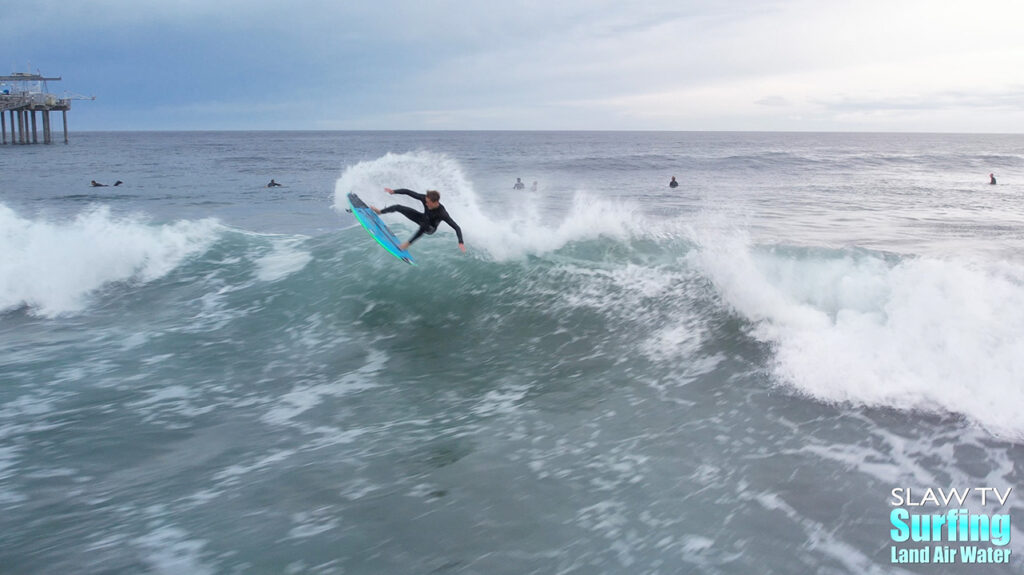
(843, 65)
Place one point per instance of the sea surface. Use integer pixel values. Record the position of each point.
(203, 375)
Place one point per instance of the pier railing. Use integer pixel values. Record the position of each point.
(38, 101)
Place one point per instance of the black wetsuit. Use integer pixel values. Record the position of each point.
(428, 220)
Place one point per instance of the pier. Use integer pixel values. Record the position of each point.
(23, 97)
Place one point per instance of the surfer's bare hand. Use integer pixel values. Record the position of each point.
(389, 190)
(462, 247)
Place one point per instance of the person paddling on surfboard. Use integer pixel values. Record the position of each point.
(433, 214)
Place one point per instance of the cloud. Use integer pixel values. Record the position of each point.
(1012, 100)
(786, 64)
(773, 101)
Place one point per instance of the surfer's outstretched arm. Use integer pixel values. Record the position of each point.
(458, 231)
(405, 192)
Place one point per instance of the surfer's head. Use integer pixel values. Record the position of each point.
(433, 198)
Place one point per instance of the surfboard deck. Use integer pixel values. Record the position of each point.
(372, 223)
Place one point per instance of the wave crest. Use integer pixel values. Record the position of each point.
(51, 267)
(526, 228)
(916, 333)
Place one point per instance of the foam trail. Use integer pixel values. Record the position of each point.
(284, 260)
(52, 267)
(919, 333)
(507, 236)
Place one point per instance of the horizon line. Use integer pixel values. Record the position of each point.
(513, 130)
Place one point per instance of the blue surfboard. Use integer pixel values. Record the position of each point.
(372, 223)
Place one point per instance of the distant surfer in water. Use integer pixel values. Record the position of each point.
(519, 185)
(96, 184)
(433, 214)
(992, 179)
(673, 183)
(273, 184)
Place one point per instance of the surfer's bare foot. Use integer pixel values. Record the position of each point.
(404, 246)
(375, 210)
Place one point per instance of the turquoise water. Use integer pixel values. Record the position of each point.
(200, 374)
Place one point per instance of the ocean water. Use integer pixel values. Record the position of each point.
(199, 374)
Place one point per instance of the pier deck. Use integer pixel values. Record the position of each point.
(21, 98)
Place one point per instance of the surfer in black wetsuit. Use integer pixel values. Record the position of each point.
(673, 183)
(992, 179)
(433, 214)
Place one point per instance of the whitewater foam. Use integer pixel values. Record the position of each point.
(52, 267)
(515, 234)
(913, 333)
(284, 260)
(169, 549)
